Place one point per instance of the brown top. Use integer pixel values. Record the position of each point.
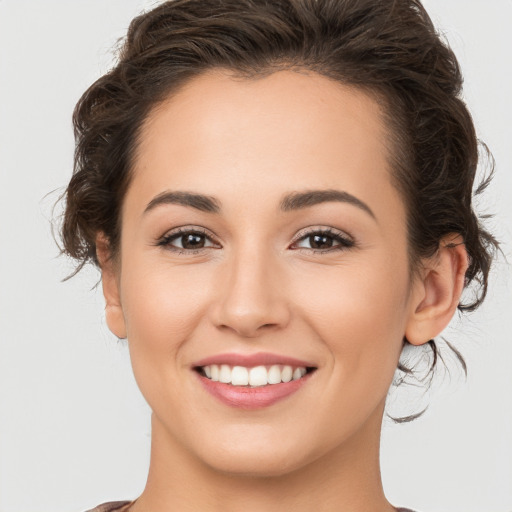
(122, 506)
(118, 506)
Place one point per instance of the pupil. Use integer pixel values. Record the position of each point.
(192, 241)
(320, 240)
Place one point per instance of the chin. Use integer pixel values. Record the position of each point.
(264, 457)
(255, 465)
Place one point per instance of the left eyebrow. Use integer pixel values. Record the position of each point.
(298, 200)
(290, 202)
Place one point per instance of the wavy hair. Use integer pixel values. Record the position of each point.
(389, 49)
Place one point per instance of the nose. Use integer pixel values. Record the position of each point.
(252, 296)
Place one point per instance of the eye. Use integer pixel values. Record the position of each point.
(324, 240)
(186, 241)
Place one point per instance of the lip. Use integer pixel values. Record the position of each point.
(251, 360)
(252, 398)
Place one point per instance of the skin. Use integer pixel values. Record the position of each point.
(257, 285)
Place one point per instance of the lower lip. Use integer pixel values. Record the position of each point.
(252, 398)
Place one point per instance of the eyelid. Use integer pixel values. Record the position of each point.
(325, 230)
(188, 228)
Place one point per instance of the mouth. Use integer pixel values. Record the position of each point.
(252, 377)
(252, 381)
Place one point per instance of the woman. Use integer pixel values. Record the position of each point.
(279, 198)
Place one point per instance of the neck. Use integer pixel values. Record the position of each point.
(347, 478)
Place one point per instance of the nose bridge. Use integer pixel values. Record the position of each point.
(253, 292)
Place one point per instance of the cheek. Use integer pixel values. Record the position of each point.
(162, 304)
(360, 319)
(162, 308)
(360, 315)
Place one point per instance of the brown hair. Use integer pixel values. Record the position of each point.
(388, 48)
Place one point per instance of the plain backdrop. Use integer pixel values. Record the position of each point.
(74, 429)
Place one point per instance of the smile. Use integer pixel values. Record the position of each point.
(252, 381)
(253, 396)
(253, 377)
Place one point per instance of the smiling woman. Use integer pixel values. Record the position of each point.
(253, 178)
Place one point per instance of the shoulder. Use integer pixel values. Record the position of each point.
(111, 506)
(121, 506)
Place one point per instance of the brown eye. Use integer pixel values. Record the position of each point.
(186, 241)
(192, 241)
(324, 241)
(321, 241)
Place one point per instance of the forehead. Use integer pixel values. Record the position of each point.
(243, 137)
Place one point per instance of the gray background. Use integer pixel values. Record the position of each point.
(74, 430)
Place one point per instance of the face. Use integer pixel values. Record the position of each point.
(257, 272)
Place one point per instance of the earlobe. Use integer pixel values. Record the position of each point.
(109, 279)
(436, 293)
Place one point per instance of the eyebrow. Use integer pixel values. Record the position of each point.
(290, 202)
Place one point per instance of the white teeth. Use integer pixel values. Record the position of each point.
(298, 373)
(239, 376)
(257, 376)
(225, 374)
(274, 375)
(286, 374)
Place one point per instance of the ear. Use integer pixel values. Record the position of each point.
(436, 292)
(109, 280)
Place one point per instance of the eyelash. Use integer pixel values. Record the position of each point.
(344, 242)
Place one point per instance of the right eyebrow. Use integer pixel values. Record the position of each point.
(200, 202)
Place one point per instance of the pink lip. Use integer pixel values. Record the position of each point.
(251, 360)
(252, 398)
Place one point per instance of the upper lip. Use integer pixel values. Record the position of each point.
(251, 360)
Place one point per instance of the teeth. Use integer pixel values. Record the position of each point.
(274, 375)
(258, 376)
(296, 374)
(254, 377)
(286, 374)
(239, 376)
(225, 374)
